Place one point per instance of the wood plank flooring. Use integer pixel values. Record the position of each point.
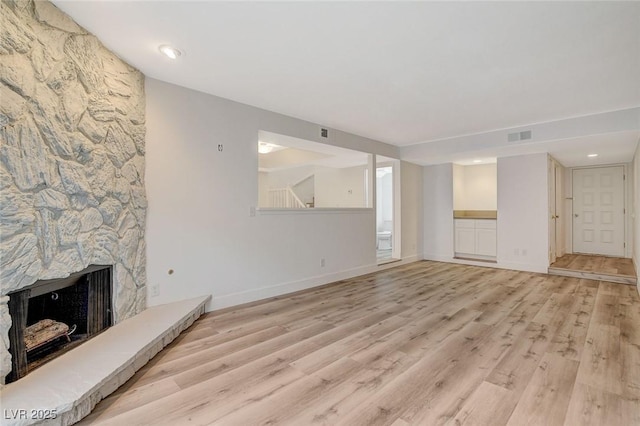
(612, 269)
(421, 344)
(597, 264)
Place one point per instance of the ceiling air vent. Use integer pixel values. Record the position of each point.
(519, 136)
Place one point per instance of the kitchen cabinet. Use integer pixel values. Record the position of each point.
(475, 238)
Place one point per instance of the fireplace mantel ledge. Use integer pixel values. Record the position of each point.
(75, 382)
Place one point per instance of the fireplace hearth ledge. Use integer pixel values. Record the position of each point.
(75, 382)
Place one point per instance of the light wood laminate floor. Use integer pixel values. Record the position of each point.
(596, 264)
(426, 343)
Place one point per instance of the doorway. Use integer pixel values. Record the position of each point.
(384, 213)
(387, 210)
(598, 211)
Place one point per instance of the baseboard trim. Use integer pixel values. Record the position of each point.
(254, 295)
(525, 267)
(636, 265)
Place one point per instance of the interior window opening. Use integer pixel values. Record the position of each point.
(294, 173)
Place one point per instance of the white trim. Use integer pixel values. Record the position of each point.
(526, 267)
(264, 211)
(239, 298)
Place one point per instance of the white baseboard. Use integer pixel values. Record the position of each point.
(239, 298)
(234, 299)
(526, 267)
(636, 264)
(438, 258)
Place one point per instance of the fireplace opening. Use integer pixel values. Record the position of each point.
(51, 317)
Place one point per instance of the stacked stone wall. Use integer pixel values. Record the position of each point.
(72, 136)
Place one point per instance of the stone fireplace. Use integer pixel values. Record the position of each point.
(72, 139)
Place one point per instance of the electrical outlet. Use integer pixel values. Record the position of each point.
(155, 290)
(322, 262)
(524, 252)
(252, 211)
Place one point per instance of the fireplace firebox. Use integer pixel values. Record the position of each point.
(51, 317)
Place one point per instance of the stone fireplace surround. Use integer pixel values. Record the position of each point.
(72, 138)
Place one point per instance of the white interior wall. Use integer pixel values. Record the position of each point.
(438, 212)
(200, 201)
(340, 187)
(411, 213)
(287, 157)
(523, 236)
(331, 187)
(480, 187)
(281, 179)
(458, 187)
(475, 187)
(289, 177)
(263, 189)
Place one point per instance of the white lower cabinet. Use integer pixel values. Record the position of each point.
(465, 233)
(486, 242)
(475, 238)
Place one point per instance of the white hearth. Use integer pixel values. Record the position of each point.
(66, 389)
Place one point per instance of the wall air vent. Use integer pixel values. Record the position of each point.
(519, 136)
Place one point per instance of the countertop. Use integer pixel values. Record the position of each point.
(475, 214)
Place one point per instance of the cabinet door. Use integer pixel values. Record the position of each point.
(485, 242)
(465, 223)
(465, 240)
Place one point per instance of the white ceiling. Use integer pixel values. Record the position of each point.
(400, 72)
(610, 148)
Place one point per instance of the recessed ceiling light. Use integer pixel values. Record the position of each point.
(592, 155)
(477, 161)
(170, 52)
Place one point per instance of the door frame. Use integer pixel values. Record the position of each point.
(627, 197)
(396, 188)
(553, 221)
(557, 211)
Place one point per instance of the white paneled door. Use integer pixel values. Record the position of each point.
(598, 211)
